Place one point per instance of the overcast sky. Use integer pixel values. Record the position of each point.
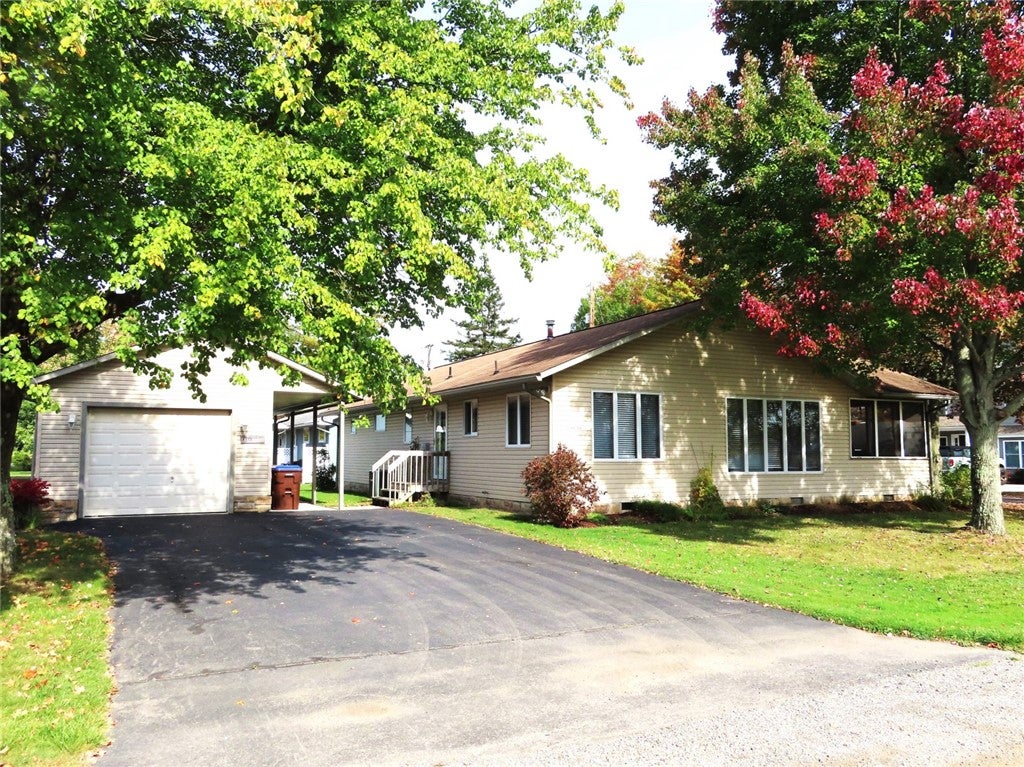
(680, 52)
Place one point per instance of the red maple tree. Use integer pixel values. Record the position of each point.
(923, 231)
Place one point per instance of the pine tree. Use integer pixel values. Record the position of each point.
(484, 330)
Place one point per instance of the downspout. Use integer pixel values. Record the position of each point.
(316, 448)
(541, 394)
(291, 440)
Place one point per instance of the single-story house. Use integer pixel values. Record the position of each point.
(120, 447)
(647, 402)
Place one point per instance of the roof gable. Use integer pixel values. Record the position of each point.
(540, 359)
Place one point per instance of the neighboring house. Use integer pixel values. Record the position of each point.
(120, 447)
(1011, 449)
(953, 433)
(647, 402)
(297, 440)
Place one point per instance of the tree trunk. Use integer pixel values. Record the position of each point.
(986, 485)
(974, 369)
(11, 397)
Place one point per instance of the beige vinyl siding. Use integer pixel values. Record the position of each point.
(109, 384)
(694, 377)
(367, 445)
(482, 466)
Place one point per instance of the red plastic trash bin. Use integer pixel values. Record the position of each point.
(285, 483)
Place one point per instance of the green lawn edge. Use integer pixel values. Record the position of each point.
(54, 651)
(911, 574)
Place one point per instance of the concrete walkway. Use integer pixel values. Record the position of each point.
(376, 636)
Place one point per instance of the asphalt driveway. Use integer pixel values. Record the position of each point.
(387, 637)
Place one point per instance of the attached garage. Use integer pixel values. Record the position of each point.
(138, 461)
(118, 447)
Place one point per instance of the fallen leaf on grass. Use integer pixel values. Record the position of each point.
(29, 673)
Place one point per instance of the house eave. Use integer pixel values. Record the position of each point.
(443, 394)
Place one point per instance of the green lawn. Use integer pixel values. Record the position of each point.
(55, 686)
(905, 571)
(331, 499)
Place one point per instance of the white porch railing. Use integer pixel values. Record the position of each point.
(400, 474)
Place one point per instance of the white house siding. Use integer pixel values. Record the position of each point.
(695, 375)
(483, 469)
(109, 384)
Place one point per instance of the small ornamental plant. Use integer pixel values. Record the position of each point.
(561, 488)
(28, 496)
(705, 500)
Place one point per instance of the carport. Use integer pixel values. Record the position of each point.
(285, 416)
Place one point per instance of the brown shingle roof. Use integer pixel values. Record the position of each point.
(894, 382)
(540, 359)
(532, 362)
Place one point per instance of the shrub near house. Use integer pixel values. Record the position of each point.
(561, 488)
(29, 495)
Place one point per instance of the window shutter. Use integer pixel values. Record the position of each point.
(604, 441)
(650, 426)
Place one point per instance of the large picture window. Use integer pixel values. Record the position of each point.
(773, 435)
(887, 429)
(517, 420)
(627, 425)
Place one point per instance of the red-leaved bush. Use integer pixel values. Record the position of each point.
(30, 491)
(561, 488)
(28, 496)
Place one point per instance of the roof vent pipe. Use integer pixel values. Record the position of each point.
(551, 328)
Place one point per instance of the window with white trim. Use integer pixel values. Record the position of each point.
(773, 435)
(407, 429)
(380, 422)
(887, 429)
(1013, 453)
(517, 420)
(627, 425)
(470, 418)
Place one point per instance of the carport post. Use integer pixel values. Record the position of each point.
(341, 449)
(291, 438)
(316, 447)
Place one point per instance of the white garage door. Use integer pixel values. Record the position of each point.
(156, 462)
